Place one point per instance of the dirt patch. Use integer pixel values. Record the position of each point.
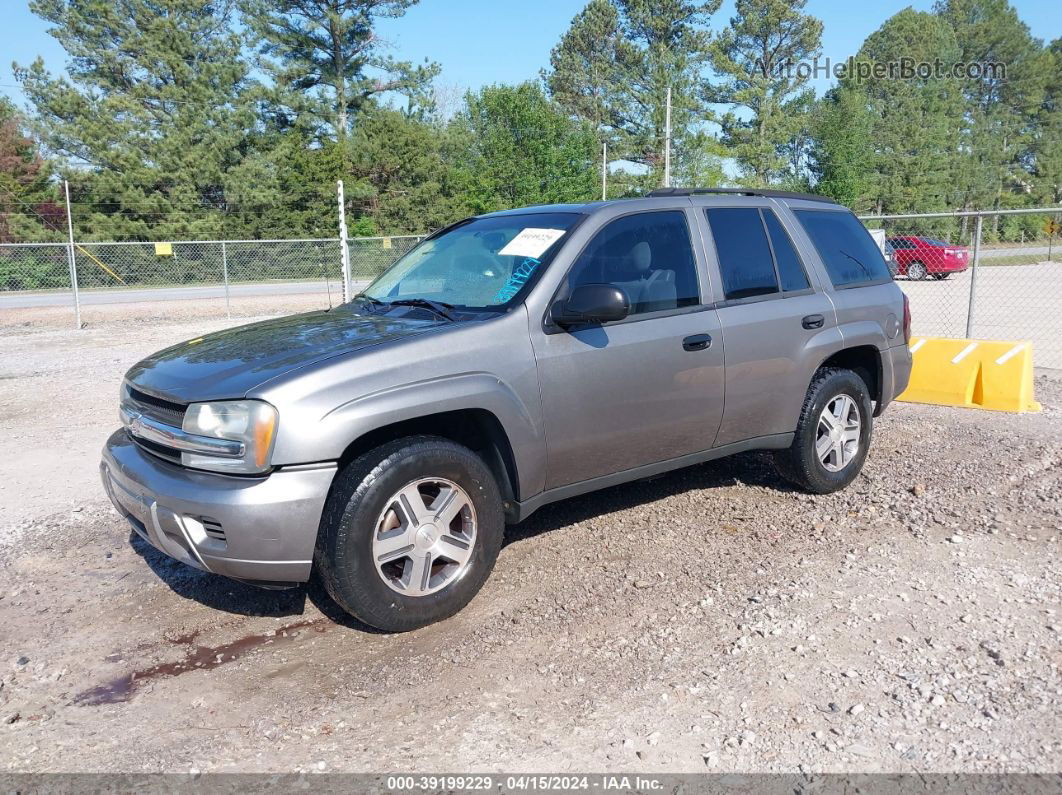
(709, 620)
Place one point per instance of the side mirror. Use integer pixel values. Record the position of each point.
(591, 303)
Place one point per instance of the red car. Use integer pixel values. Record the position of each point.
(920, 257)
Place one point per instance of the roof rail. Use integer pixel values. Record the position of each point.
(774, 194)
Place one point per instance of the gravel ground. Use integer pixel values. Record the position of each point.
(708, 620)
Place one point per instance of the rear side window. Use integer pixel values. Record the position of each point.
(848, 251)
(748, 263)
(745, 261)
(790, 271)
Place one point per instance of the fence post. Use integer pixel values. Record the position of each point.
(344, 252)
(973, 276)
(70, 255)
(225, 274)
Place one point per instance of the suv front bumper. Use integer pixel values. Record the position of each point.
(261, 529)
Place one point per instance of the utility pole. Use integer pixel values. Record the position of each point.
(667, 141)
(72, 262)
(344, 252)
(604, 170)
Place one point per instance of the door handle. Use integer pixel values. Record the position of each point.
(698, 342)
(813, 321)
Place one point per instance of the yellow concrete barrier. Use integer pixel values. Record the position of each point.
(986, 374)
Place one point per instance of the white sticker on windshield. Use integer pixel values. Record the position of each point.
(531, 242)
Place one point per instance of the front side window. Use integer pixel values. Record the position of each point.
(848, 251)
(481, 263)
(648, 255)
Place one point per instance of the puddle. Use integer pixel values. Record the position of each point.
(199, 658)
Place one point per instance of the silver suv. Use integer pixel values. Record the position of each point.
(508, 361)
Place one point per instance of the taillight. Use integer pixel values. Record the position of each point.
(906, 319)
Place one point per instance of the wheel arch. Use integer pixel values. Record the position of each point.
(865, 361)
(478, 429)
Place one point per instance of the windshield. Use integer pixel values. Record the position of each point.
(482, 263)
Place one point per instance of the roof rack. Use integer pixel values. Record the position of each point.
(774, 194)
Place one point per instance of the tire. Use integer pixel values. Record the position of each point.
(941, 276)
(917, 271)
(800, 463)
(367, 497)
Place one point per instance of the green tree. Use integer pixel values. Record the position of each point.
(614, 65)
(842, 152)
(758, 57)
(27, 198)
(523, 149)
(153, 116)
(1047, 140)
(327, 59)
(1000, 105)
(405, 174)
(916, 121)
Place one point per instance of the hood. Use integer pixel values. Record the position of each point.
(230, 363)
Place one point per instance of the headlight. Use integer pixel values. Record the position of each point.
(252, 422)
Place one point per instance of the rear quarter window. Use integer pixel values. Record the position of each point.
(848, 251)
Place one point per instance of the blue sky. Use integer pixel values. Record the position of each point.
(487, 41)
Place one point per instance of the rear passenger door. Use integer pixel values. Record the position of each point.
(776, 322)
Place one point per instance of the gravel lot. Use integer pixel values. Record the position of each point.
(709, 620)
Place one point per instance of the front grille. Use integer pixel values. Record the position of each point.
(158, 409)
(161, 450)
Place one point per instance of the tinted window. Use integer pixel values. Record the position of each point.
(850, 254)
(745, 262)
(790, 270)
(646, 254)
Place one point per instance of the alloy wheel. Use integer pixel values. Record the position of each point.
(837, 435)
(424, 537)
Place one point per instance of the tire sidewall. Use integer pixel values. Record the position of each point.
(847, 383)
(358, 585)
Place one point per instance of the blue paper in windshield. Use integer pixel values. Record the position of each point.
(521, 273)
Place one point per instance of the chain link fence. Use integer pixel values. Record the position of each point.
(989, 275)
(981, 275)
(39, 274)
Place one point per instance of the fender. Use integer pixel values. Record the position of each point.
(472, 390)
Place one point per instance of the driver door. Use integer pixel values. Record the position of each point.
(640, 390)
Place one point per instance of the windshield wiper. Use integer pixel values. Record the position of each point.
(440, 308)
(369, 300)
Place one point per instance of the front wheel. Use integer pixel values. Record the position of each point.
(410, 533)
(917, 271)
(832, 436)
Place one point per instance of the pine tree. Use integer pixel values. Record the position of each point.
(916, 121)
(613, 68)
(1000, 106)
(328, 61)
(153, 117)
(1047, 141)
(758, 58)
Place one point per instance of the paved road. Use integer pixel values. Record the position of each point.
(15, 300)
(989, 253)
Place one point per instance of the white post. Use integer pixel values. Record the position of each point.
(604, 170)
(344, 251)
(225, 273)
(667, 141)
(70, 252)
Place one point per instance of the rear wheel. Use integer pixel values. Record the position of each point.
(832, 436)
(917, 271)
(410, 533)
(941, 276)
